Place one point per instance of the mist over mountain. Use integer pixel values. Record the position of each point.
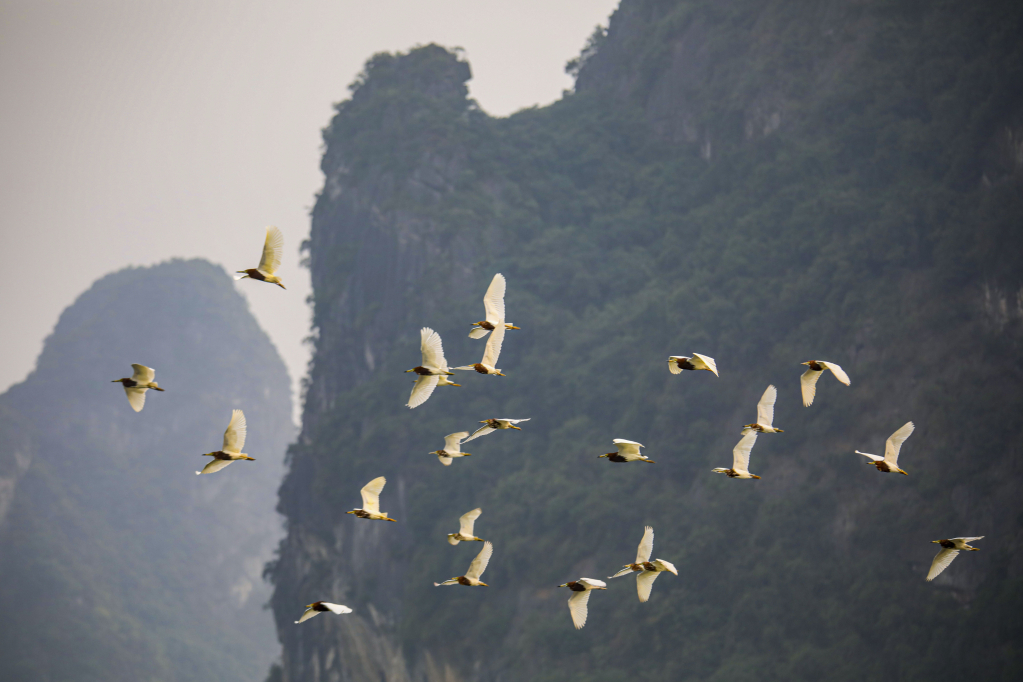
(762, 182)
(117, 562)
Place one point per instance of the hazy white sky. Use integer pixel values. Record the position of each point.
(134, 131)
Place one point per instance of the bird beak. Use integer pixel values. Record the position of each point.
(565, 585)
(351, 512)
(408, 370)
(598, 457)
(484, 421)
(515, 427)
(806, 363)
(435, 452)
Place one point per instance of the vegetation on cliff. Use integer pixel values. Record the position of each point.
(759, 182)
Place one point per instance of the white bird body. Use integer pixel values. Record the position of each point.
(647, 570)
(371, 501)
(433, 372)
(476, 568)
(578, 603)
(490, 354)
(950, 549)
(491, 425)
(740, 458)
(697, 361)
(135, 387)
(493, 301)
(234, 441)
(465, 525)
(273, 252)
(808, 380)
(452, 448)
(890, 462)
(765, 414)
(628, 451)
(316, 608)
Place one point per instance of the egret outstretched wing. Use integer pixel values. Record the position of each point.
(577, 606)
(493, 350)
(704, 362)
(941, 561)
(645, 583)
(371, 494)
(453, 441)
(422, 390)
(627, 447)
(646, 545)
(836, 370)
(143, 374)
(479, 564)
(214, 466)
(273, 251)
(765, 408)
(481, 431)
(234, 437)
(433, 349)
(894, 443)
(493, 301)
(136, 397)
(467, 521)
(741, 452)
(808, 384)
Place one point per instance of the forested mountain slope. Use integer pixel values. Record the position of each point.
(117, 562)
(762, 182)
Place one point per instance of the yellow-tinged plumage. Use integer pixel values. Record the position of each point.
(136, 386)
(270, 261)
(234, 441)
(371, 501)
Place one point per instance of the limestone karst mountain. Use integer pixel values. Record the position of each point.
(765, 182)
(118, 563)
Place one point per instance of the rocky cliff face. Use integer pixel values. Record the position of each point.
(118, 562)
(756, 182)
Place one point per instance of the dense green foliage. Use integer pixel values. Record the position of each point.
(116, 561)
(876, 226)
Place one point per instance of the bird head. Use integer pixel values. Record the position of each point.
(439, 453)
(750, 426)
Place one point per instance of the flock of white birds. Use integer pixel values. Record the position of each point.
(434, 371)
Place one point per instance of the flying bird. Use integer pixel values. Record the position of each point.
(808, 381)
(577, 603)
(491, 425)
(493, 301)
(433, 372)
(740, 458)
(234, 441)
(465, 524)
(950, 549)
(648, 570)
(476, 568)
(452, 448)
(316, 608)
(765, 414)
(490, 354)
(890, 461)
(628, 451)
(681, 362)
(135, 387)
(273, 250)
(371, 501)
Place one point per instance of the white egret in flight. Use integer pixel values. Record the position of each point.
(765, 414)
(371, 501)
(316, 608)
(580, 599)
(808, 380)
(434, 370)
(140, 382)
(648, 570)
(740, 458)
(490, 354)
(465, 524)
(273, 251)
(493, 301)
(950, 549)
(452, 448)
(234, 441)
(890, 462)
(628, 451)
(491, 425)
(476, 568)
(681, 362)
